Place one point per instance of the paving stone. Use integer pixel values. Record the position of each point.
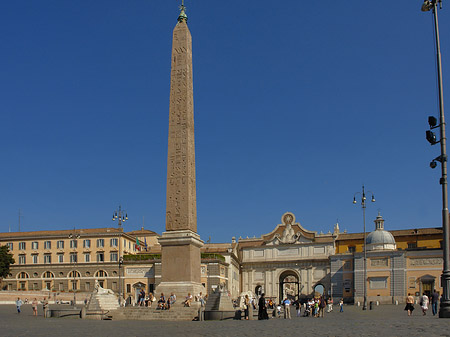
(386, 320)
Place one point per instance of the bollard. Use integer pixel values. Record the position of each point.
(359, 304)
(378, 303)
(396, 302)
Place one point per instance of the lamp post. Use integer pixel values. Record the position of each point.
(444, 310)
(363, 205)
(74, 243)
(121, 216)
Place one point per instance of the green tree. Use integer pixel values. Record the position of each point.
(6, 260)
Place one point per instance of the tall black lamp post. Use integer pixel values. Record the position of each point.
(74, 236)
(444, 310)
(363, 205)
(121, 216)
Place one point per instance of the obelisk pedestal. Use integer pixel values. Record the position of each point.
(180, 243)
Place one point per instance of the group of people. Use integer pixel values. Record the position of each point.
(424, 302)
(313, 307)
(34, 305)
(164, 303)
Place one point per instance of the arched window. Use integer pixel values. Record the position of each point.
(73, 274)
(101, 273)
(22, 275)
(48, 274)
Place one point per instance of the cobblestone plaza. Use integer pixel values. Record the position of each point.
(387, 320)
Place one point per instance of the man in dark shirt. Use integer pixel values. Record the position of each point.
(434, 301)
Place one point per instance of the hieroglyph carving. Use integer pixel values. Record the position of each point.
(181, 204)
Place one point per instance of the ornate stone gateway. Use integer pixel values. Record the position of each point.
(289, 285)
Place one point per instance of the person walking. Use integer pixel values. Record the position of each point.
(434, 302)
(34, 305)
(322, 306)
(45, 307)
(409, 304)
(298, 308)
(18, 304)
(330, 305)
(262, 308)
(246, 306)
(287, 308)
(341, 305)
(424, 303)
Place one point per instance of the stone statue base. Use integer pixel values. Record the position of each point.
(103, 299)
(181, 290)
(180, 252)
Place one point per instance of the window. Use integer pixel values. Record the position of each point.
(60, 258)
(22, 259)
(378, 282)
(22, 245)
(114, 257)
(412, 245)
(87, 243)
(35, 245)
(35, 258)
(73, 257)
(74, 274)
(22, 285)
(87, 257)
(128, 288)
(100, 257)
(101, 273)
(100, 243)
(351, 249)
(60, 244)
(74, 285)
(10, 245)
(35, 286)
(47, 245)
(87, 286)
(47, 258)
(114, 242)
(48, 274)
(73, 244)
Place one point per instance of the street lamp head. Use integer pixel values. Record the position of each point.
(426, 6)
(432, 121)
(373, 198)
(354, 200)
(433, 164)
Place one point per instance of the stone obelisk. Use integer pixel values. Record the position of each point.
(180, 243)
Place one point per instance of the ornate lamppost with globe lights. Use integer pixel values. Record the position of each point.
(121, 216)
(363, 206)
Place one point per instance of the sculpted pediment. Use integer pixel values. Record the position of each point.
(288, 232)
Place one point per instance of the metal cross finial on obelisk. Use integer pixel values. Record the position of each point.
(182, 16)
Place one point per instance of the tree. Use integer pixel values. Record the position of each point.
(6, 260)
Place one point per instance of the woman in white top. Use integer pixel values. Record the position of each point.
(424, 303)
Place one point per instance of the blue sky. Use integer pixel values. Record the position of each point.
(296, 106)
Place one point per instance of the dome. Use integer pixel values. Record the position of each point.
(380, 236)
(380, 239)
